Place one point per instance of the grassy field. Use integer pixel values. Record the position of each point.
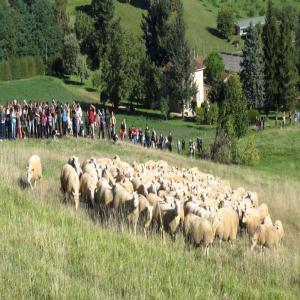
(200, 23)
(50, 251)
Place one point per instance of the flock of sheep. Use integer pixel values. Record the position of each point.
(166, 198)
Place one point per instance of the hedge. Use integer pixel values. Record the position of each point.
(21, 67)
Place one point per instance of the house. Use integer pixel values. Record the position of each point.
(232, 62)
(199, 79)
(242, 26)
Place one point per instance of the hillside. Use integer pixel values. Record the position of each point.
(50, 251)
(200, 23)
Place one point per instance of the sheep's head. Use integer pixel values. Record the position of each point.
(278, 225)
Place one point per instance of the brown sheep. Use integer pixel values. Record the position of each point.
(70, 184)
(34, 170)
(198, 230)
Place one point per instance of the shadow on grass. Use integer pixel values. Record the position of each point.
(90, 89)
(85, 9)
(142, 4)
(72, 82)
(214, 32)
(23, 184)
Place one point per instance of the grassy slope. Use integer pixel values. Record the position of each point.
(198, 21)
(49, 251)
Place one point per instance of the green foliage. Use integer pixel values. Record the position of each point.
(214, 67)
(61, 16)
(84, 26)
(207, 114)
(225, 21)
(81, 68)
(70, 53)
(252, 74)
(247, 152)
(18, 68)
(252, 115)
(235, 105)
(97, 80)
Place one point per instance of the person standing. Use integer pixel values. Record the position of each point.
(91, 114)
(199, 144)
(178, 146)
(102, 124)
(31, 114)
(170, 138)
(2, 123)
(183, 145)
(79, 120)
(64, 120)
(44, 123)
(24, 122)
(19, 122)
(147, 136)
(13, 122)
(108, 124)
(113, 123)
(59, 118)
(123, 130)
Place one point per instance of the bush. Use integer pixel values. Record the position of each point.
(207, 114)
(252, 115)
(21, 67)
(247, 153)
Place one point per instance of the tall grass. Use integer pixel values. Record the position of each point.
(50, 251)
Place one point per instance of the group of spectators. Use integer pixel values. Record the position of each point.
(49, 119)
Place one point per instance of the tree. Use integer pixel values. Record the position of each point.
(271, 44)
(81, 69)
(287, 62)
(61, 16)
(97, 81)
(84, 26)
(252, 74)
(225, 21)
(214, 67)
(102, 13)
(155, 27)
(180, 78)
(234, 105)
(70, 53)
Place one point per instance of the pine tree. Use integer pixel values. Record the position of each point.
(271, 44)
(103, 13)
(287, 62)
(252, 74)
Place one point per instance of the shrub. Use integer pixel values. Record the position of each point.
(247, 152)
(207, 113)
(252, 115)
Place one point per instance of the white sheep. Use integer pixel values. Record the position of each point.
(34, 170)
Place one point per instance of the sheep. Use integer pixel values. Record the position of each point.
(70, 184)
(103, 199)
(279, 227)
(198, 230)
(228, 227)
(266, 236)
(169, 219)
(87, 189)
(34, 170)
(191, 207)
(92, 168)
(127, 185)
(74, 162)
(267, 220)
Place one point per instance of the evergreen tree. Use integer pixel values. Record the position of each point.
(102, 13)
(252, 74)
(271, 45)
(71, 52)
(287, 62)
(156, 27)
(180, 78)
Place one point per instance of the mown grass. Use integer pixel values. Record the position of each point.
(50, 251)
(200, 23)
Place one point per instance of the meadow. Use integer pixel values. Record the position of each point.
(50, 251)
(200, 23)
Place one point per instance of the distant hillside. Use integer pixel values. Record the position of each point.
(200, 23)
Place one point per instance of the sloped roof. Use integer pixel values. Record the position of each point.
(245, 23)
(232, 62)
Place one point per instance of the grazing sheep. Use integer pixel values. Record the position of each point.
(70, 184)
(228, 227)
(34, 170)
(198, 230)
(279, 227)
(128, 186)
(265, 236)
(87, 189)
(74, 162)
(267, 220)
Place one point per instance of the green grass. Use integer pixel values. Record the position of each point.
(50, 251)
(200, 23)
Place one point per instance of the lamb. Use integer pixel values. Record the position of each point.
(34, 170)
(228, 227)
(74, 162)
(87, 189)
(198, 230)
(279, 227)
(265, 236)
(70, 184)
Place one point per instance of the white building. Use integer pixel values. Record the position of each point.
(199, 79)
